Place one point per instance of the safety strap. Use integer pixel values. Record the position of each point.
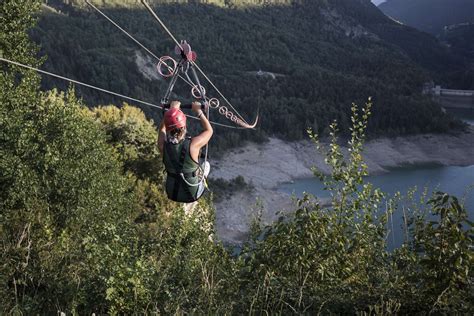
(181, 162)
(202, 92)
(174, 78)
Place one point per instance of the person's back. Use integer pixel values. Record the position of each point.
(178, 163)
(185, 177)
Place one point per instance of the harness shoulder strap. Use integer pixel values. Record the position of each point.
(182, 155)
(184, 150)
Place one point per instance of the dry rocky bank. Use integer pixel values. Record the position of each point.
(268, 165)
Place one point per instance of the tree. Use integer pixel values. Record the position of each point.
(134, 137)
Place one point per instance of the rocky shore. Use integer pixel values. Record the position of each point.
(268, 165)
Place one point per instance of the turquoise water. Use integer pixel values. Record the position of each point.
(466, 115)
(458, 181)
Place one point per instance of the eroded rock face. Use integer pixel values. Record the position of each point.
(147, 66)
(335, 22)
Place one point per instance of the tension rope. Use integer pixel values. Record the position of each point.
(104, 90)
(130, 36)
(210, 102)
(163, 25)
(235, 118)
(187, 62)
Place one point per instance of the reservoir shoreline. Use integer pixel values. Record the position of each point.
(266, 166)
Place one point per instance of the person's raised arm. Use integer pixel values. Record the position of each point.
(203, 138)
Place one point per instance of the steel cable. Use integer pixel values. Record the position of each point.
(229, 115)
(104, 90)
(133, 39)
(157, 18)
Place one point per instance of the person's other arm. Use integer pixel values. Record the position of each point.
(203, 138)
(161, 136)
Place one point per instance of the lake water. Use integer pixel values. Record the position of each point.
(466, 115)
(458, 181)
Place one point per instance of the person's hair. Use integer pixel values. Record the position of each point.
(175, 134)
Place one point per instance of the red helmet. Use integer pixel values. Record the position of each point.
(174, 118)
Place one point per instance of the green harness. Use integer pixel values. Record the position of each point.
(178, 164)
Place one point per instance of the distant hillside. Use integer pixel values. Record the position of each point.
(429, 15)
(461, 38)
(327, 54)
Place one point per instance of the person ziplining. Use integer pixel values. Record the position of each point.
(186, 178)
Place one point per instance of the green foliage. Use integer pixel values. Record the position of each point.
(335, 260)
(444, 248)
(81, 236)
(89, 238)
(177, 260)
(63, 199)
(134, 137)
(321, 259)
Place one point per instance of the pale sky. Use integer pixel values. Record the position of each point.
(377, 2)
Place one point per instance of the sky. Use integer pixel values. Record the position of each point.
(377, 2)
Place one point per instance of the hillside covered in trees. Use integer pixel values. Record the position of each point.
(451, 21)
(461, 39)
(85, 227)
(326, 54)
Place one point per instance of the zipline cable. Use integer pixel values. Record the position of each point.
(121, 29)
(207, 110)
(157, 18)
(245, 124)
(218, 92)
(162, 24)
(133, 38)
(105, 90)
